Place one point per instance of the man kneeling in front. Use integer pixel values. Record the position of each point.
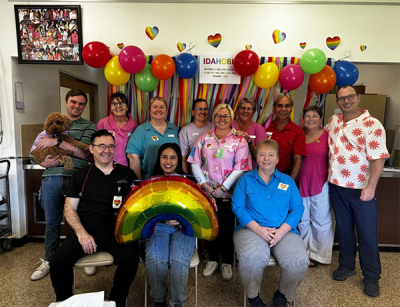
(90, 210)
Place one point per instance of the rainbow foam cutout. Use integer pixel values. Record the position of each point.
(332, 43)
(181, 46)
(120, 45)
(278, 37)
(164, 198)
(363, 48)
(152, 32)
(248, 47)
(303, 45)
(215, 40)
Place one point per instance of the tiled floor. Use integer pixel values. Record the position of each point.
(318, 289)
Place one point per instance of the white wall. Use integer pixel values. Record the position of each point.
(377, 27)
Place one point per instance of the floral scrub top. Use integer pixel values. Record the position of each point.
(218, 158)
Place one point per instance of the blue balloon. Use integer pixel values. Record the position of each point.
(346, 73)
(186, 66)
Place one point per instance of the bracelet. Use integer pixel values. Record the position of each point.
(59, 141)
(222, 188)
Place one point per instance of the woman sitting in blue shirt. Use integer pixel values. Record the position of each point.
(268, 207)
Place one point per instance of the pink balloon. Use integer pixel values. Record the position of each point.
(132, 59)
(291, 77)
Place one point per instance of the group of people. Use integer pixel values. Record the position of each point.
(276, 182)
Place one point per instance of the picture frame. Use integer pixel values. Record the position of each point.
(49, 34)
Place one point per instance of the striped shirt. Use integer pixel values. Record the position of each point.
(81, 130)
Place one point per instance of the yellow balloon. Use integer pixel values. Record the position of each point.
(266, 75)
(114, 73)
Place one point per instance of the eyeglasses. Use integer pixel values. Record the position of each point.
(246, 109)
(115, 104)
(348, 97)
(202, 109)
(162, 107)
(222, 116)
(103, 147)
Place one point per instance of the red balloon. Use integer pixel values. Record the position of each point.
(322, 82)
(96, 54)
(163, 67)
(291, 77)
(246, 63)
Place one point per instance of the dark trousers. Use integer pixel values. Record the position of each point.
(223, 244)
(350, 211)
(125, 256)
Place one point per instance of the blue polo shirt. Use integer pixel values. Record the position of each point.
(270, 205)
(145, 142)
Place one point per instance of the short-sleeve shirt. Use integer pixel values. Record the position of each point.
(218, 158)
(314, 168)
(81, 130)
(291, 141)
(145, 142)
(256, 133)
(190, 134)
(352, 146)
(270, 205)
(121, 135)
(95, 208)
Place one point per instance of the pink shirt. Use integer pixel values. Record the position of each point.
(351, 148)
(314, 168)
(121, 135)
(218, 158)
(256, 133)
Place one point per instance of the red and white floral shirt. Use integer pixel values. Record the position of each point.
(351, 148)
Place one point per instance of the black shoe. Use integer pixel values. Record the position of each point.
(161, 304)
(371, 287)
(342, 272)
(256, 302)
(279, 299)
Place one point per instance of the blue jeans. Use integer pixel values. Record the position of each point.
(168, 246)
(52, 200)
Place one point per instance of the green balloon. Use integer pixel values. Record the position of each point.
(145, 80)
(312, 61)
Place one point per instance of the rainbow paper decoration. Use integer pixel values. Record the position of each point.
(303, 45)
(332, 43)
(164, 198)
(363, 48)
(215, 40)
(120, 45)
(152, 32)
(181, 46)
(248, 47)
(278, 37)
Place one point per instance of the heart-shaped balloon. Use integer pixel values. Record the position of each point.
(181, 46)
(278, 37)
(333, 42)
(152, 32)
(215, 40)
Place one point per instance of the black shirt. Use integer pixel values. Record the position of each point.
(95, 208)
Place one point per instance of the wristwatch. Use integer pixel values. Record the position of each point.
(222, 188)
(59, 141)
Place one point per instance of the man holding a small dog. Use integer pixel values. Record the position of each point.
(56, 178)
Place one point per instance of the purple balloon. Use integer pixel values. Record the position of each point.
(291, 77)
(132, 59)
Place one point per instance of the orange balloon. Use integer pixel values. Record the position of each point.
(163, 67)
(322, 82)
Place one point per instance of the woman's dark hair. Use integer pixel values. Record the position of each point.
(316, 109)
(198, 100)
(157, 168)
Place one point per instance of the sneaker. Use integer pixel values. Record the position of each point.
(342, 272)
(371, 287)
(226, 270)
(256, 302)
(90, 270)
(210, 268)
(279, 299)
(42, 270)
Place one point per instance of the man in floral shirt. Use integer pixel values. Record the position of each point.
(357, 153)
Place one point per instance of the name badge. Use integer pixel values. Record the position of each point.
(117, 202)
(252, 136)
(154, 138)
(171, 135)
(283, 186)
(196, 133)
